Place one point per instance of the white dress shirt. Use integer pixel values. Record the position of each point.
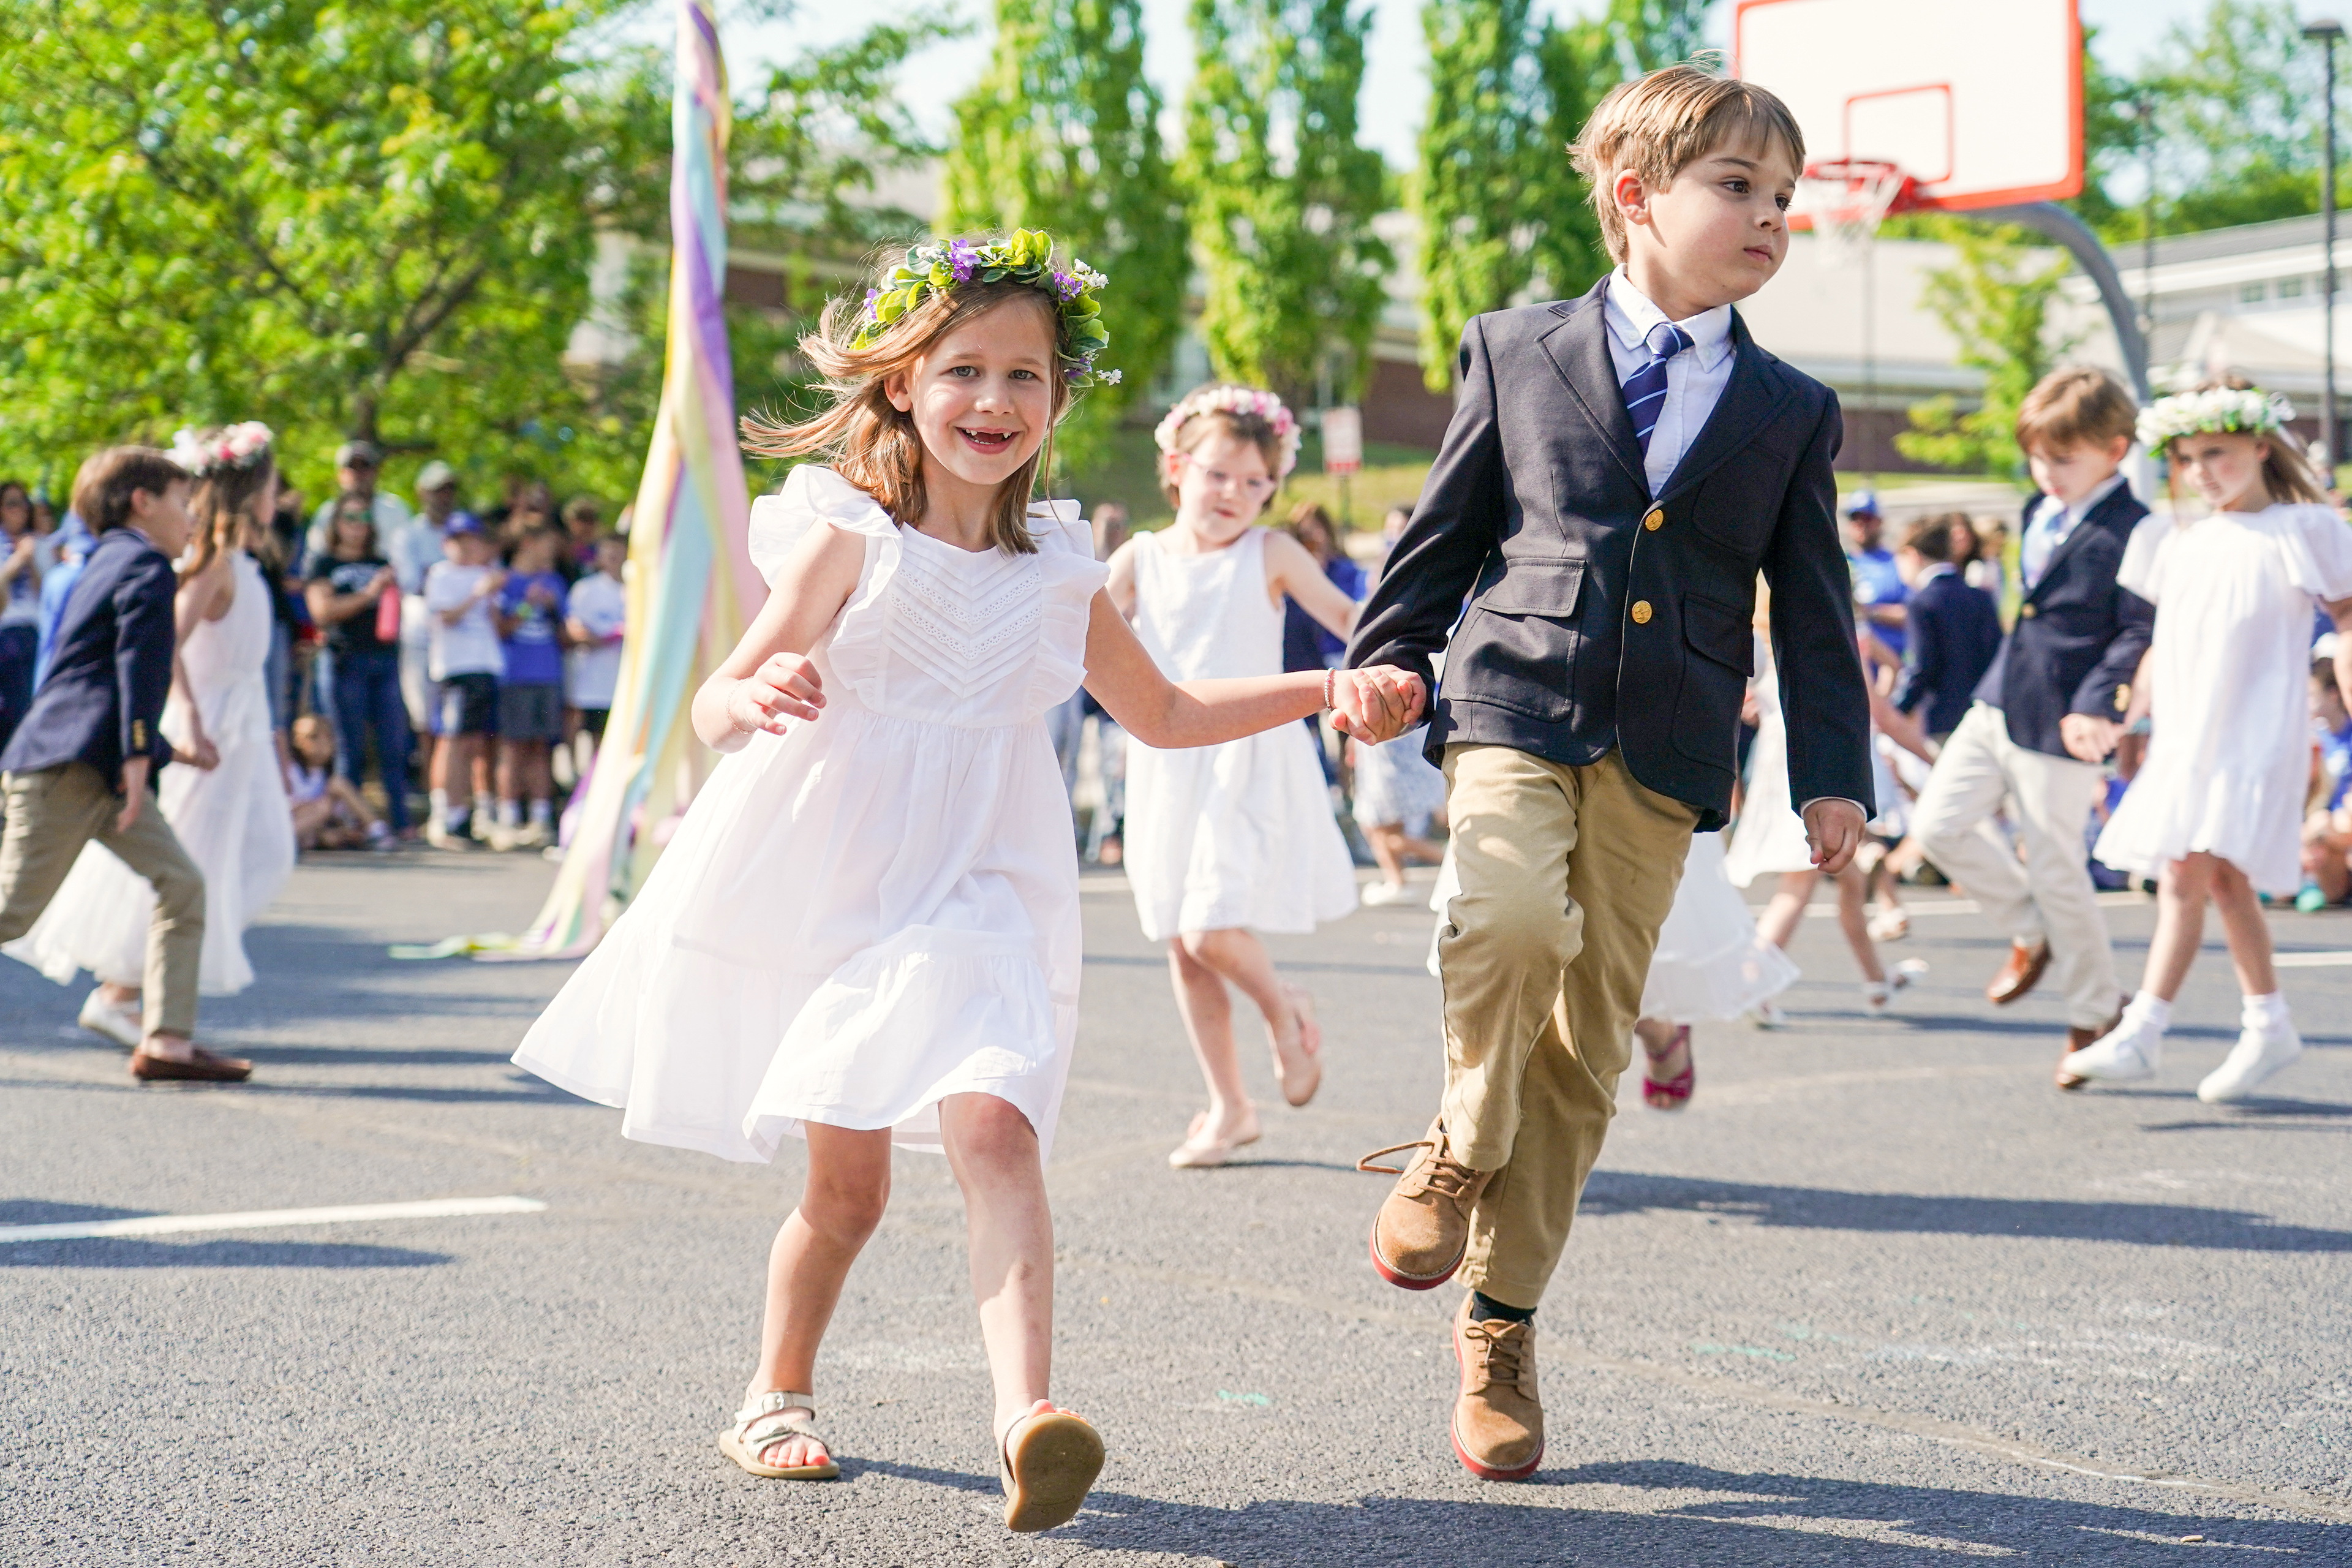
(2048, 528)
(1694, 378)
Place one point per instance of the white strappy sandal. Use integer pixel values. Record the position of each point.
(768, 1420)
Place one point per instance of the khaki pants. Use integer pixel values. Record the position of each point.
(51, 815)
(2050, 896)
(1567, 873)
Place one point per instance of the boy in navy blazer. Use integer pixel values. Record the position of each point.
(2048, 711)
(80, 766)
(1955, 630)
(1618, 471)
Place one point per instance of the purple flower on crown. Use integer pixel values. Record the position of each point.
(1064, 286)
(962, 259)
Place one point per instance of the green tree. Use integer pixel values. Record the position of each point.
(1496, 202)
(1282, 196)
(1995, 301)
(1063, 134)
(1647, 35)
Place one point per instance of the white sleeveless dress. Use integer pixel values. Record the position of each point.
(878, 907)
(234, 821)
(1237, 834)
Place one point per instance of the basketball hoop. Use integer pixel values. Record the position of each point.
(1846, 199)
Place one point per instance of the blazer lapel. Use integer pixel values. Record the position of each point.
(1747, 401)
(1578, 350)
(2096, 518)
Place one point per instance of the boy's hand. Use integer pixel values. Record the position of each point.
(1376, 704)
(1833, 830)
(787, 684)
(2087, 737)
(134, 793)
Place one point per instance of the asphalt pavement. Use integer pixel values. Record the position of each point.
(1879, 1296)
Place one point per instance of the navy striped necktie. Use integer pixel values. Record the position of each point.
(1645, 389)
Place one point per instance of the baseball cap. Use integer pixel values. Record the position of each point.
(461, 522)
(352, 452)
(435, 474)
(1863, 504)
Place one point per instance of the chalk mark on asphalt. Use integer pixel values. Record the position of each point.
(268, 1219)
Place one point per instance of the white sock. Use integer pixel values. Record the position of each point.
(2147, 1006)
(441, 806)
(543, 812)
(2268, 1015)
(509, 814)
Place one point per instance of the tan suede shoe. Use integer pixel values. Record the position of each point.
(1424, 1226)
(1497, 1420)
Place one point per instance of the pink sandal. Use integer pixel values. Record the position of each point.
(1675, 1092)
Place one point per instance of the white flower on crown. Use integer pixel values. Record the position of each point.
(1249, 400)
(238, 446)
(2219, 410)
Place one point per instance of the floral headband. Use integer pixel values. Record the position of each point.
(1027, 257)
(2221, 410)
(239, 447)
(1265, 405)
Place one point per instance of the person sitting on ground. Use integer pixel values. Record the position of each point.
(329, 813)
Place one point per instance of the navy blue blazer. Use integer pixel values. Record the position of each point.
(103, 700)
(1601, 615)
(2078, 636)
(1954, 635)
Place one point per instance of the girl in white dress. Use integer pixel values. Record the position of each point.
(1222, 843)
(2216, 811)
(231, 810)
(866, 930)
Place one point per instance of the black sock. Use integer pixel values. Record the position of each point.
(1485, 1309)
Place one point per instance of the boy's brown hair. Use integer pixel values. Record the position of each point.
(1659, 124)
(102, 487)
(1930, 538)
(2077, 406)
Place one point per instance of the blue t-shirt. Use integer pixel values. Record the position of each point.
(1876, 582)
(2336, 757)
(533, 657)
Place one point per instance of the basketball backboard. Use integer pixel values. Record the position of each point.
(1978, 101)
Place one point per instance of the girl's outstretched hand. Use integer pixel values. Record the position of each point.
(1376, 703)
(784, 686)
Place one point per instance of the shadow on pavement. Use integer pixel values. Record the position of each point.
(1820, 1208)
(1757, 1517)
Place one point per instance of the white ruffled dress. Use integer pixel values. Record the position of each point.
(2229, 759)
(878, 907)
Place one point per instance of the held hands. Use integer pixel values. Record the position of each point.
(786, 686)
(1833, 831)
(1376, 704)
(2087, 737)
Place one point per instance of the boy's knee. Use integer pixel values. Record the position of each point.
(180, 894)
(1532, 933)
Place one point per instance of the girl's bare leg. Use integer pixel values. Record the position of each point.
(2181, 894)
(993, 1150)
(1388, 842)
(1239, 958)
(1778, 921)
(848, 1186)
(1208, 1012)
(2248, 934)
(1853, 918)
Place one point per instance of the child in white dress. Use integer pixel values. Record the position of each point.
(230, 810)
(2216, 811)
(866, 930)
(1224, 842)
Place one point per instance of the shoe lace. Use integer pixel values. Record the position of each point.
(1440, 1174)
(1502, 1356)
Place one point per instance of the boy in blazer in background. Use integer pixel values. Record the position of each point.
(80, 766)
(1618, 471)
(2051, 708)
(1955, 630)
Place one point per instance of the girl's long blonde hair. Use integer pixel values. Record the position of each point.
(872, 445)
(2286, 472)
(221, 506)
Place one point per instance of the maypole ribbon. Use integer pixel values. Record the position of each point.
(691, 587)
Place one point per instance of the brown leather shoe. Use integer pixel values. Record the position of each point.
(1424, 1226)
(2077, 1038)
(206, 1067)
(2020, 975)
(1497, 1420)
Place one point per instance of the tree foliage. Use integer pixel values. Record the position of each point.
(1063, 134)
(1282, 196)
(1995, 301)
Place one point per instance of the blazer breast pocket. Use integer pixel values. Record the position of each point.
(1535, 588)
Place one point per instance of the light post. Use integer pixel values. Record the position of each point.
(2144, 109)
(2327, 34)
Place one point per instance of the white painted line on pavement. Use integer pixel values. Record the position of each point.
(2311, 960)
(1828, 912)
(268, 1219)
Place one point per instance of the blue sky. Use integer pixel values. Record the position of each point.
(1393, 87)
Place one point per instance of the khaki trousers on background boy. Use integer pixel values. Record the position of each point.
(52, 813)
(1566, 874)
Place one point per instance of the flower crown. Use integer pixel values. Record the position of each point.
(1265, 405)
(239, 447)
(2224, 410)
(1027, 257)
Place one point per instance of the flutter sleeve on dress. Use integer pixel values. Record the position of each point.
(2142, 571)
(2319, 552)
(812, 493)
